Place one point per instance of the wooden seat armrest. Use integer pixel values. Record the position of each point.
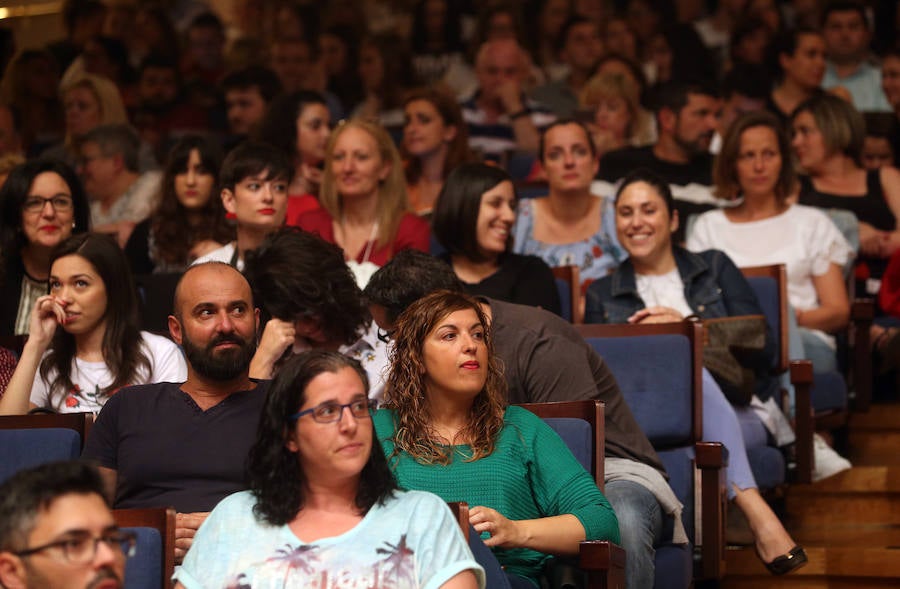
(862, 313)
(460, 511)
(709, 510)
(604, 564)
(162, 519)
(804, 419)
(710, 455)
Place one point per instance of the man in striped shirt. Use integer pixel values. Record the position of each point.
(501, 118)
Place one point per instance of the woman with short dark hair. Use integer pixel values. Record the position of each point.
(42, 203)
(797, 58)
(323, 506)
(307, 295)
(473, 221)
(663, 283)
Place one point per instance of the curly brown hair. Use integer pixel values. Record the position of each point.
(406, 389)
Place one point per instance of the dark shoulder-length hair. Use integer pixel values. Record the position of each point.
(456, 211)
(725, 176)
(448, 109)
(296, 274)
(406, 387)
(173, 232)
(786, 43)
(17, 189)
(121, 348)
(276, 478)
(279, 126)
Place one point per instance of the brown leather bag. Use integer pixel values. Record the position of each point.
(733, 352)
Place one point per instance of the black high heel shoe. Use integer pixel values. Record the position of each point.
(786, 563)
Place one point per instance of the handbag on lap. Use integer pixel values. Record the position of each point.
(733, 352)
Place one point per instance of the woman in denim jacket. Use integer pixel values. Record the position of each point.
(661, 283)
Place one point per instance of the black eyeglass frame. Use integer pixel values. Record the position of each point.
(370, 404)
(123, 542)
(30, 205)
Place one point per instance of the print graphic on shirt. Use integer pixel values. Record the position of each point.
(76, 397)
(317, 567)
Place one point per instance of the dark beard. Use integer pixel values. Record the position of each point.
(223, 365)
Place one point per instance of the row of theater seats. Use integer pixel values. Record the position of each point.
(29, 440)
(675, 433)
(695, 467)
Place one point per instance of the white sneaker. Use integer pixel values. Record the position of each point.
(827, 461)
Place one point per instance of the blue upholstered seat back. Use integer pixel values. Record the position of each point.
(654, 375)
(565, 299)
(26, 448)
(766, 290)
(144, 569)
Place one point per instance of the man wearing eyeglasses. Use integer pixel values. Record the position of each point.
(57, 531)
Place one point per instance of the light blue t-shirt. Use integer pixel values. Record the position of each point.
(411, 541)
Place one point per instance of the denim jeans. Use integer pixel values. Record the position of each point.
(720, 424)
(495, 578)
(640, 529)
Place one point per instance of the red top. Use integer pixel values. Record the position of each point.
(412, 233)
(297, 205)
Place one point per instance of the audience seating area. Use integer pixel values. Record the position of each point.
(849, 523)
(694, 467)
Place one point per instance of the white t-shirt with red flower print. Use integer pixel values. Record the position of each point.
(90, 379)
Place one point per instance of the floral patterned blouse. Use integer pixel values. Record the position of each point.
(595, 257)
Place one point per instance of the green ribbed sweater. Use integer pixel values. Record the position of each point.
(530, 474)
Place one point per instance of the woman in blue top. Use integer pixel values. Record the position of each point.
(448, 431)
(663, 283)
(571, 226)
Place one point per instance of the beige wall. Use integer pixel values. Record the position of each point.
(34, 30)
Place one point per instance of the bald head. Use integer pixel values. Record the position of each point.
(215, 324)
(504, 53)
(202, 280)
(500, 64)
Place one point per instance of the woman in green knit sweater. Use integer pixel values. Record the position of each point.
(447, 430)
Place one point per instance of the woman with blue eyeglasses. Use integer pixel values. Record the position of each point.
(41, 204)
(322, 506)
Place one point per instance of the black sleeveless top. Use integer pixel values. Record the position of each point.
(871, 208)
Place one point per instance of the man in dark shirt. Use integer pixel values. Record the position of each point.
(687, 118)
(184, 445)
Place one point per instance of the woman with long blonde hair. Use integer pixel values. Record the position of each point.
(363, 197)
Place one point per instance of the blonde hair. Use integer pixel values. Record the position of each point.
(616, 85)
(392, 202)
(405, 391)
(112, 109)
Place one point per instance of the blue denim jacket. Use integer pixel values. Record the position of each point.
(713, 287)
